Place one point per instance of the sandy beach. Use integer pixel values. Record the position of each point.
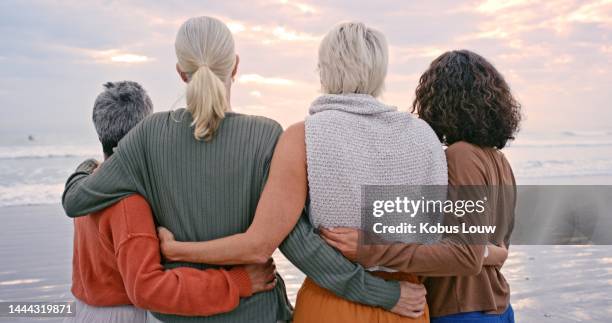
(549, 283)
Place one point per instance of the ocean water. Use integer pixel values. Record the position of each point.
(570, 155)
(34, 171)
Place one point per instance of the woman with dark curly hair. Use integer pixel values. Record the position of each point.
(470, 107)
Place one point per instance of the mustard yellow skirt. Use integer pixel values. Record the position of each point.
(318, 305)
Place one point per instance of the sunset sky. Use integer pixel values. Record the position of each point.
(55, 55)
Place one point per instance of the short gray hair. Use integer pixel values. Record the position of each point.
(353, 58)
(120, 107)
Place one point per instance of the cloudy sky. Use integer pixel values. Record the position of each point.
(55, 55)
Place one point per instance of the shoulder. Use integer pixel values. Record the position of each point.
(425, 138)
(421, 127)
(462, 150)
(289, 159)
(136, 202)
(132, 214)
(143, 129)
(259, 121)
(295, 132)
(131, 203)
(157, 117)
(321, 115)
(330, 118)
(292, 142)
(465, 164)
(267, 122)
(266, 129)
(165, 119)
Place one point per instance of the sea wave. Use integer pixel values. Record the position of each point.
(30, 194)
(594, 133)
(564, 139)
(26, 180)
(48, 151)
(565, 167)
(560, 143)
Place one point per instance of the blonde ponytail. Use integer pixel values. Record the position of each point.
(205, 51)
(207, 102)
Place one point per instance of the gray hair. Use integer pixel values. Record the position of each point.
(353, 58)
(120, 107)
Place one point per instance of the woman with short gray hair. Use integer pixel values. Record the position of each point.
(349, 139)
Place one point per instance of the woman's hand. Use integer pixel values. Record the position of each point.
(412, 300)
(167, 244)
(89, 166)
(263, 276)
(497, 255)
(346, 240)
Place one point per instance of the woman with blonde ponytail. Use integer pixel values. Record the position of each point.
(202, 169)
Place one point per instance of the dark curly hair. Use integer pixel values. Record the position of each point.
(464, 98)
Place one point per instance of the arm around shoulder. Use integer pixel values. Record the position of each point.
(283, 197)
(87, 191)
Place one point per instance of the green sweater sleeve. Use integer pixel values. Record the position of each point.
(88, 191)
(330, 270)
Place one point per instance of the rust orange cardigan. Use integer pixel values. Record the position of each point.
(117, 261)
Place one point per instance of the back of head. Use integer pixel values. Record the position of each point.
(353, 58)
(464, 98)
(205, 52)
(120, 107)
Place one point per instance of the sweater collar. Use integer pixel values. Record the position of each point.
(352, 103)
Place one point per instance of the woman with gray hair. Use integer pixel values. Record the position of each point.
(203, 168)
(349, 139)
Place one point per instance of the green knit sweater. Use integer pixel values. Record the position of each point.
(207, 190)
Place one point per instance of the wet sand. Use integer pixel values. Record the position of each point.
(549, 283)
